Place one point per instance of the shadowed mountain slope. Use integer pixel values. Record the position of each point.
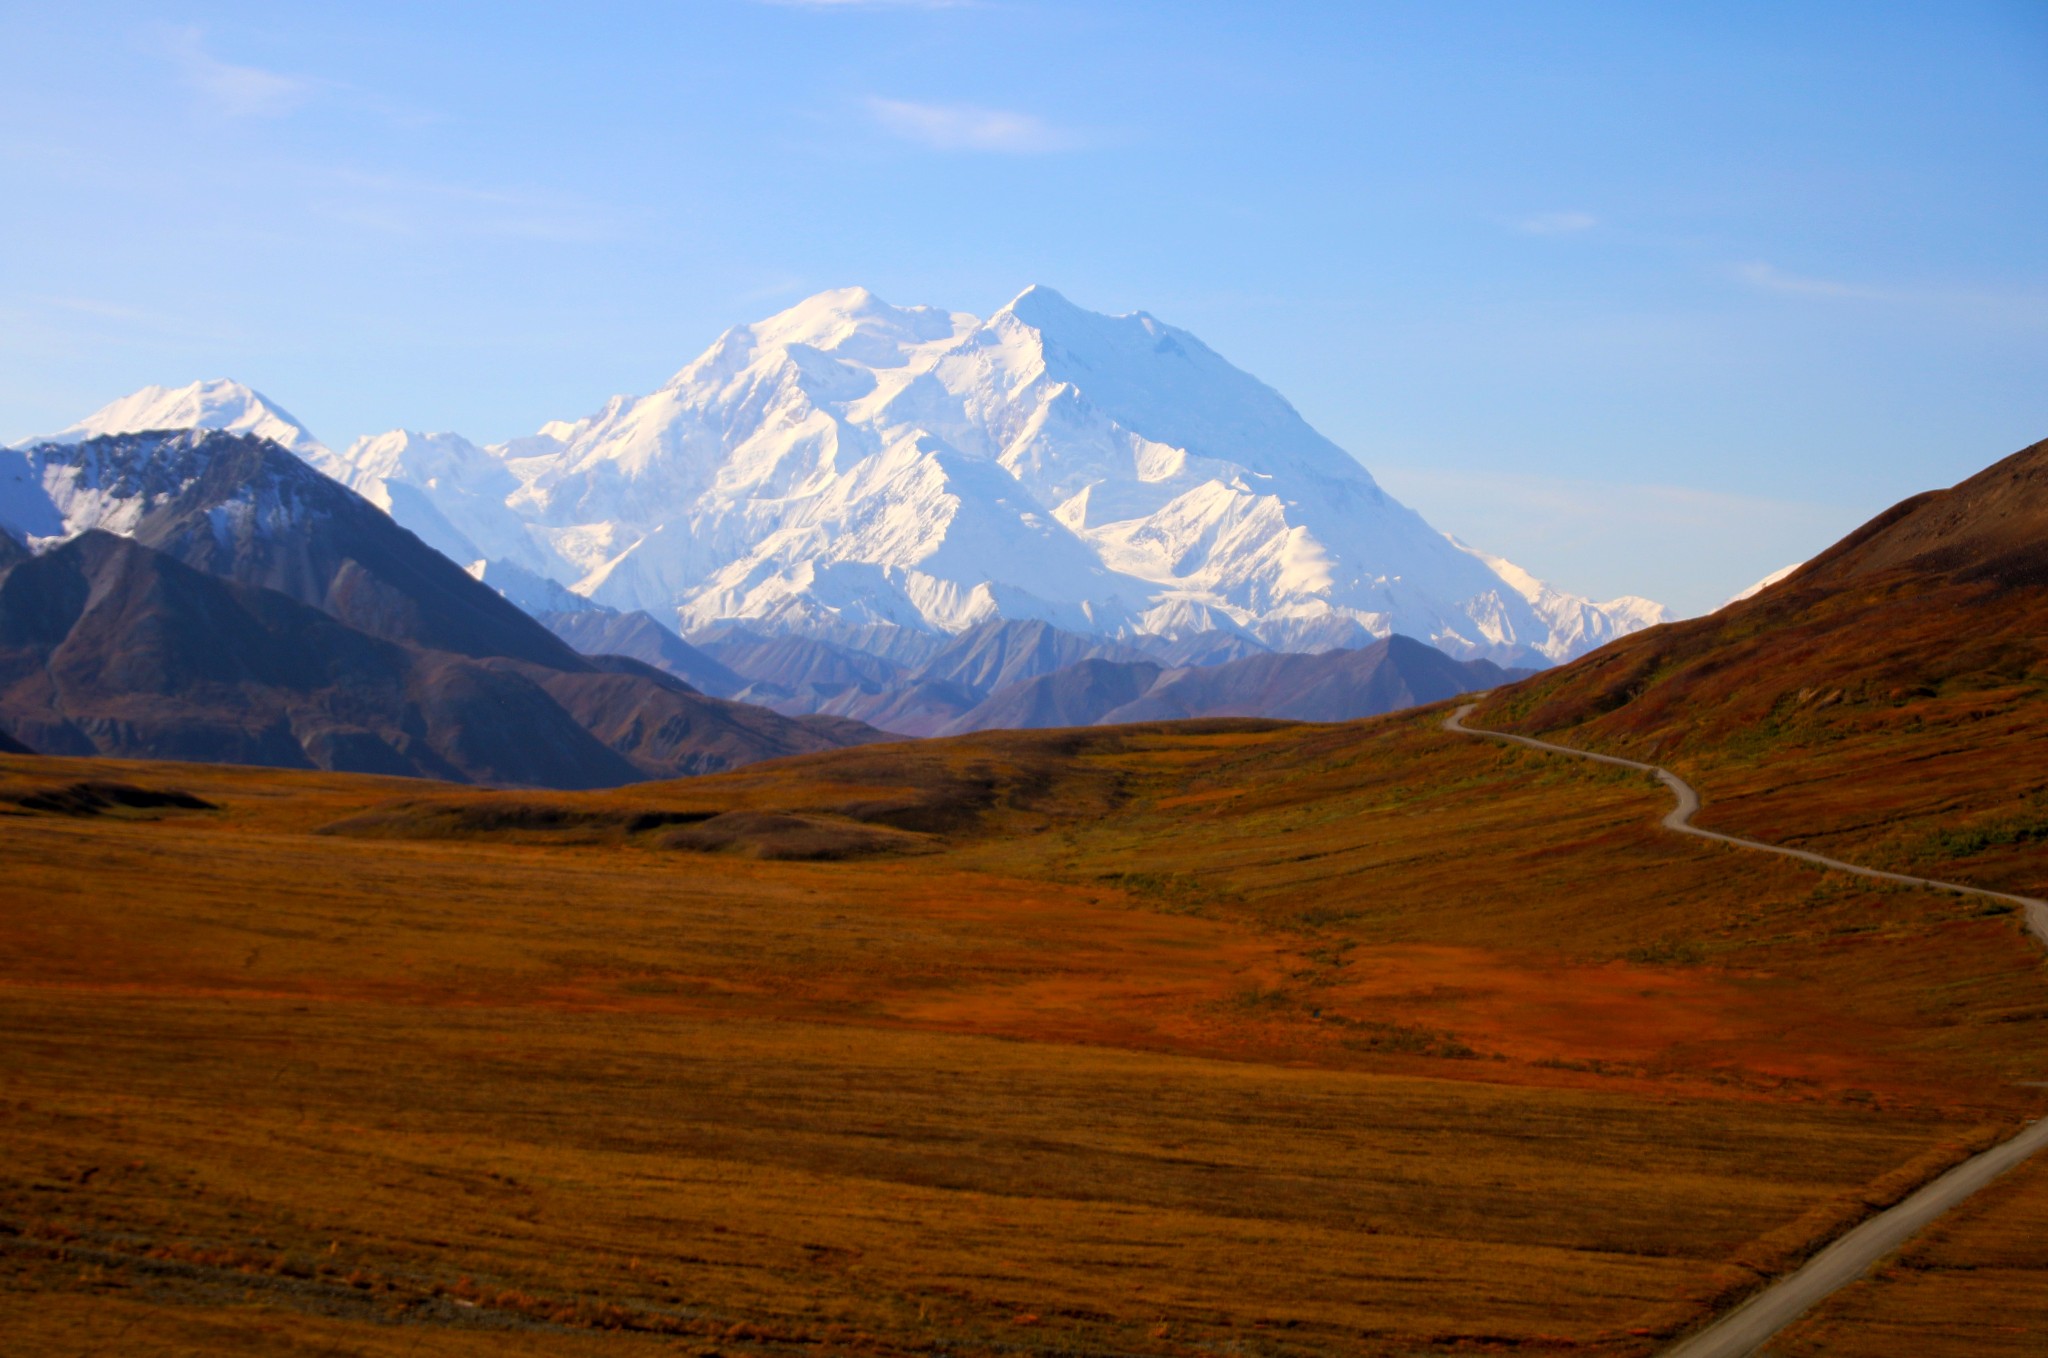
(794, 663)
(1012, 674)
(1889, 698)
(1079, 695)
(110, 647)
(1333, 686)
(243, 508)
(995, 654)
(639, 636)
(395, 661)
(1390, 674)
(917, 707)
(854, 675)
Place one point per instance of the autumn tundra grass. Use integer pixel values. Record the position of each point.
(1283, 1039)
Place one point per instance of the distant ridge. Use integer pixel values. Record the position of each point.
(1332, 686)
(636, 635)
(1027, 675)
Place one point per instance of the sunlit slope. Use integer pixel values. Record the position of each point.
(1889, 701)
(1355, 1039)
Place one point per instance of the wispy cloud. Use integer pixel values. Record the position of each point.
(1557, 223)
(41, 329)
(1760, 275)
(238, 91)
(966, 127)
(2022, 306)
(409, 205)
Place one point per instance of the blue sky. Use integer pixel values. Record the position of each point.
(1650, 299)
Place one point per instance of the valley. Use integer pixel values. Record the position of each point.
(1165, 998)
(1357, 1038)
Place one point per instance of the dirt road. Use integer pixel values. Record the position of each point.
(1750, 1326)
(1747, 1328)
(1680, 819)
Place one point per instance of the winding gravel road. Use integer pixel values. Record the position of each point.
(1746, 1329)
(1680, 819)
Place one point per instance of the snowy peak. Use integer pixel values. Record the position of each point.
(855, 325)
(847, 325)
(216, 404)
(1166, 385)
(441, 486)
(849, 462)
(1577, 624)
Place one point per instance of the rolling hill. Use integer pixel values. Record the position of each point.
(1885, 700)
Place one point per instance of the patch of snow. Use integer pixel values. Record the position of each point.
(1760, 586)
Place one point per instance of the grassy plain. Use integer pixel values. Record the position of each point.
(1263, 1038)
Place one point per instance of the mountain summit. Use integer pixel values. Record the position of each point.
(215, 404)
(848, 464)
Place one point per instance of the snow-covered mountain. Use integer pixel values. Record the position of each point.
(215, 404)
(1577, 624)
(849, 464)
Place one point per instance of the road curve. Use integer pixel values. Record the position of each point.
(1747, 1328)
(1680, 819)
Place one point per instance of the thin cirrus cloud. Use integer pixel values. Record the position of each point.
(967, 127)
(1760, 275)
(236, 90)
(1557, 223)
(2022, 306)
(405, 205)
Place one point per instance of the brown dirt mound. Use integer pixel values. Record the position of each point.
(775, 835)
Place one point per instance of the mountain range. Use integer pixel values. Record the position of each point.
(858, 472)
(1030, 675)
(206, 595)
(850, 519)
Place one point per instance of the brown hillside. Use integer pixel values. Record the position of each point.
(1890, 699)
